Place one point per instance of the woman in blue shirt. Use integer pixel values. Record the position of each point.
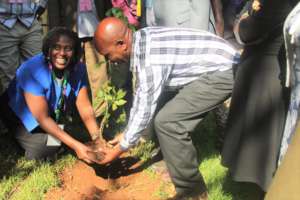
(45, 87)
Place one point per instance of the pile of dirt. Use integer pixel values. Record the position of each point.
(125, 179)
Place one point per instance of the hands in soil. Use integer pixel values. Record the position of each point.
(104, 153)
(83, 152)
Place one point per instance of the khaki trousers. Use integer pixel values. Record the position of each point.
(286, 183)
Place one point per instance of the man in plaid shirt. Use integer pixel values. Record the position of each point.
(194, 63)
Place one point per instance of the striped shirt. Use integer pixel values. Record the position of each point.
(169, 58)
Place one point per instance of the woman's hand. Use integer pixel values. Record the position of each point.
(82, 152)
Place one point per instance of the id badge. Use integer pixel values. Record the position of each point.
(53, 141)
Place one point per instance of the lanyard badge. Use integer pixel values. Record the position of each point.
(61, 104)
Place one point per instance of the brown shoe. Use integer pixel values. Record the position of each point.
(203, 196)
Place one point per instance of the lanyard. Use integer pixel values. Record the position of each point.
(61, 105)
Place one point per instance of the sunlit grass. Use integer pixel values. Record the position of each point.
(32, 179)
(220, 186)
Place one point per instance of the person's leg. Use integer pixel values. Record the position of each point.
(179, 117)
(9, 55)
(34, 144)
(31, 42)
(68, 13)
(54, 15)
(97, 74)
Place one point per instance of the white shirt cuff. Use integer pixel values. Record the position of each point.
(124, 145)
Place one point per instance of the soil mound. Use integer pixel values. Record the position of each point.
(124, 179)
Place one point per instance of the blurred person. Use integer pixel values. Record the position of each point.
(258, 106)
(20, 35)
(292, 45)
(201, 14)
(129, 10)
(285, 184)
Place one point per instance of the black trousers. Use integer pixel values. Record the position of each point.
(34, 143)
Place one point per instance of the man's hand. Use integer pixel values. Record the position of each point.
(115, 141)
(110, 154)
(40, 10)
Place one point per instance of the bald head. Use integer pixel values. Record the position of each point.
(108, 31)
(113, 39)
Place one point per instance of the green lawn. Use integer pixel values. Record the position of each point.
(23, 180)
(219, 184)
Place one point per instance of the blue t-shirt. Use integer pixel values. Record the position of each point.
(34, 76)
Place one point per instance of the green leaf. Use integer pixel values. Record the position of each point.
(114, 91)
(109, 98)
(117, 12)
(121, 94)
(114, 106)
(122, 117)
(107, 116)
(109, 13)
(132, 27)
(108, 88)
(120, 102)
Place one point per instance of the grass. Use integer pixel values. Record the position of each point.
(31, 179)
(143, 151)
(220, 186)
(21, 179)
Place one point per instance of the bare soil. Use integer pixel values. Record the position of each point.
(125, 179)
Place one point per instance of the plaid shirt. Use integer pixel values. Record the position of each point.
(12, 10)
(169, 58)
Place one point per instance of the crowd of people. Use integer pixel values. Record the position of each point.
(199, 53)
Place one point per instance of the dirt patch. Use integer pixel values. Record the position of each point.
(125, 179)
